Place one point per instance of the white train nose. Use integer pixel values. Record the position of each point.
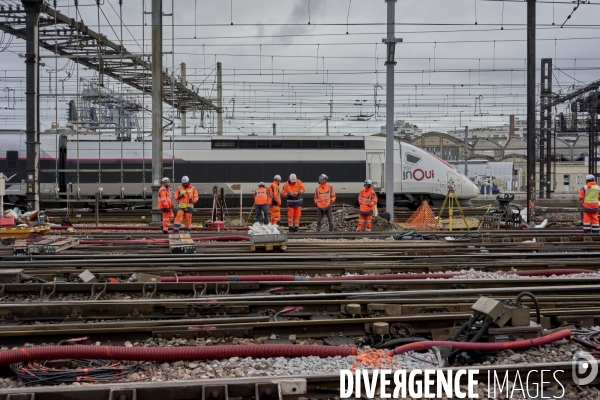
(469, 189)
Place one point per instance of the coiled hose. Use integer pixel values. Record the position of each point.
(170, 353)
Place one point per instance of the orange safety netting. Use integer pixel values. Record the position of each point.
(423, 219)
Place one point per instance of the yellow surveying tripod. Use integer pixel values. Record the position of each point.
(451, 199)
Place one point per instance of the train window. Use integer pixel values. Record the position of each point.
(324, 144)
(310, 144)
(277, 144)
(339, 144)
(412, 158)
(263, 144)
(247, 144)
(292, 144)
(12, 159)
(355, 144)
(224, 144)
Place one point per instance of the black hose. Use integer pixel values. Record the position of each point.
(461, 329)
(482, 331)
(398, 342)
(535, 301)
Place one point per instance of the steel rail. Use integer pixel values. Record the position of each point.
(268, 289)
(193, 328)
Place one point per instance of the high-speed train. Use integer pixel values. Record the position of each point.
(84, 166)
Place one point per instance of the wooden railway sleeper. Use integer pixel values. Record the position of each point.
(98, 291)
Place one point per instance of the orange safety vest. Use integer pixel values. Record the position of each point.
(164, 198)
(261, 197)
(324, 195)
(187, 199)
(274, 195)
(290, 189)
(367, 200)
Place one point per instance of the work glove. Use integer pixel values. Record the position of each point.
(166, 210)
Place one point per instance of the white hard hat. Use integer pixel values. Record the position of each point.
(323, 176)
(277, 178)
(165, 180)
(185, 179)
(590, 178)
(293, 178)
(262, 184)
(368, 182)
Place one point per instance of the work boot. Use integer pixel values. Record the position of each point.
(296, 229)
(291, 229)
(166, 232)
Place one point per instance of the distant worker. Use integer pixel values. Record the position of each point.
(275, 200)
(590, 195)
(261, 203)
(165, 204)
(367, 199)
(293, 190)
(324, 198)
(186, 196)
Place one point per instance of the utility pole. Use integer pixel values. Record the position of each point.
(274, 129)
(157, 107)
(327, 126)
(391, 41)
(183, 109)
(219, 99)
(531, 148)
(32, 102)
(466, 151)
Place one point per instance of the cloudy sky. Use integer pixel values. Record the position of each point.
(278, 68)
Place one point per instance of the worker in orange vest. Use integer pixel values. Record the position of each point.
(324, 197)
(275, 200)
(185, 195)
(367, 199)
(293, 190)
(589, 195)
(261, 203)
(165, 204)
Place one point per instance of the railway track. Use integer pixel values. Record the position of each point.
(303, 295)
(309, 214)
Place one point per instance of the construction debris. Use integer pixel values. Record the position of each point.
(346, 220)
(258, 229)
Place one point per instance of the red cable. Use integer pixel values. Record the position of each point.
(519, 344)
(170, 353)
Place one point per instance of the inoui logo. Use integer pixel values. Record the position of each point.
(418, 174)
